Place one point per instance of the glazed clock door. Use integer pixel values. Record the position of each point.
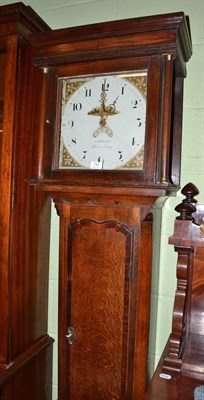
(99, 274)
(94, 133)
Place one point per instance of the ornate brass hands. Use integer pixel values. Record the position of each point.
(104, 111)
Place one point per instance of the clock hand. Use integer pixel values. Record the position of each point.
(103, 111)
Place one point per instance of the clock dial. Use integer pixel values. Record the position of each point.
(103, 122)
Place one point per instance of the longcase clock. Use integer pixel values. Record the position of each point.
(109, 140)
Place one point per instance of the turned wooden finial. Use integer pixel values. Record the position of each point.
(190, 190)
(187, 207)
(186, 210)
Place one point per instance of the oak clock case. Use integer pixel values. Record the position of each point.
(109, 146)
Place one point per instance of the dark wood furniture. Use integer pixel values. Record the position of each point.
(106, 216)
(183, 358)
(25, 347)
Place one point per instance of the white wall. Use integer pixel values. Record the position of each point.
(64, 13)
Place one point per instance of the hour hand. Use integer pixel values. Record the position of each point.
(104, 110)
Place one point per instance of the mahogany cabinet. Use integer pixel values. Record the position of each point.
(25, 347)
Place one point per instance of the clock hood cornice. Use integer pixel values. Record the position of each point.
(136, 37)
(18, 18)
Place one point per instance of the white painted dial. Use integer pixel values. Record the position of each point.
(102, 122)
